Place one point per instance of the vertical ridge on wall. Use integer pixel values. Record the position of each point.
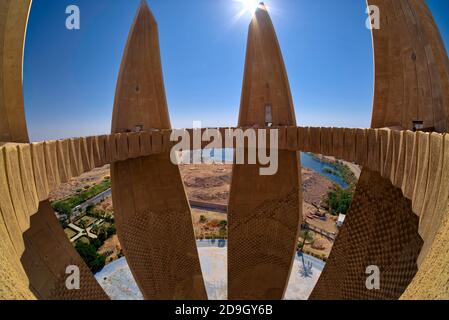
(13, 22)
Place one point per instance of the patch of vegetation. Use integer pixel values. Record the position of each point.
(346, 173)
(223, 232)
(100, 214)
(306, 235)
(106, 231)
(64, 223)
(223, 224)
(95, 229)
(108, 218)
(85, 222)
(203, 219)
(88, 253)
(332, 172)
(87, 248)
(66, 206)
(338, 168)
(70, 233)
(339, 200)
(84, 239)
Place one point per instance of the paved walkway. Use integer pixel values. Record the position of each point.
(81, 231)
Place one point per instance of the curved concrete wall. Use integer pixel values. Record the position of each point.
(411, 68)
(13, 22)
(36, 248)
(411, 85)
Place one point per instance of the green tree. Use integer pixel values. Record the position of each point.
(97, 243)
(62, 208)
(223, 227)
(89, 254)
(95, 229)
(111, 230)
(339, 201)
(223, 223)
(306, 235)
(90, 210)
(102, 234)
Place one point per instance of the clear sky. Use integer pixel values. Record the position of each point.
(70, 76)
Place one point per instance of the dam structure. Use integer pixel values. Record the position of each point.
(398, 221)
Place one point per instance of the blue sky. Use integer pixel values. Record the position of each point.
(70, 76)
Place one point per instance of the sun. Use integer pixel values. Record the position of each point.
(245, 7)
(249, 5)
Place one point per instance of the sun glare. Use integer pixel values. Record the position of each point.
(250, 5)
(245, 8)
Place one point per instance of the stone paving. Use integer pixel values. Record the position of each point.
(118, 282)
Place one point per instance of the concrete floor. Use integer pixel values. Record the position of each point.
(118, 282)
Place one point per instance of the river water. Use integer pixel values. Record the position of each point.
(311, 162)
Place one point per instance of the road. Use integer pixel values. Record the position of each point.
(356, 169)
(206, 206)
(194, 204)
(324, 233)
(92, 202)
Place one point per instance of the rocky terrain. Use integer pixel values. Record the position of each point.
(207, 183)
(211, 183)
(314, 186)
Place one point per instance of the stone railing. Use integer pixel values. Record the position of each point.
(414, 162)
